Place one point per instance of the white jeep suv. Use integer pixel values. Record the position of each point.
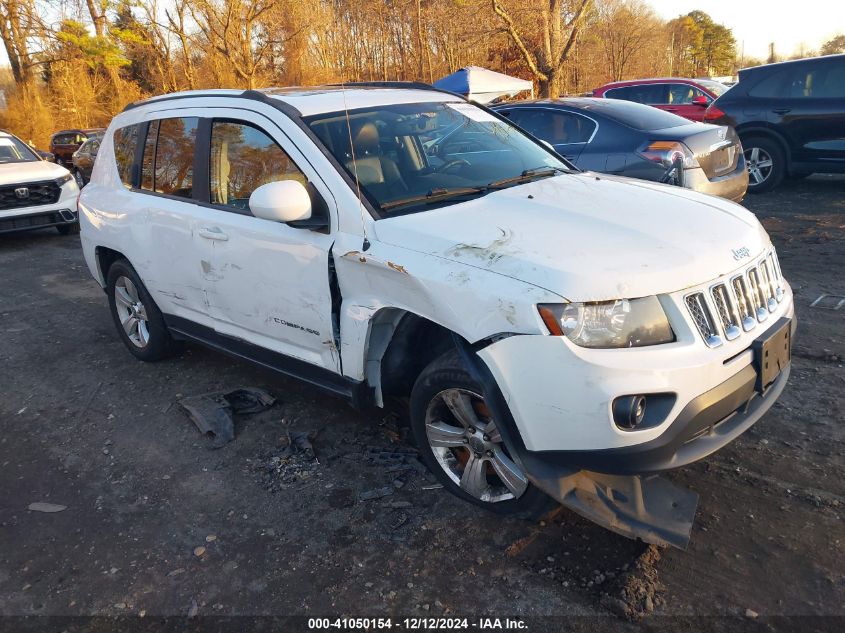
(555, 332)
(34, 193)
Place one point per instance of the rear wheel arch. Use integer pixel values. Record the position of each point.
(105, 257)
(746, 133)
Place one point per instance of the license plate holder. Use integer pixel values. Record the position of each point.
(772, 353)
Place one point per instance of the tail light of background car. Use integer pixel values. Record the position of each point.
(668, 152)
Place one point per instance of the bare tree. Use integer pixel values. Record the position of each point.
(560, 25)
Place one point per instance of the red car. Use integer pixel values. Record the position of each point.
(685, 97)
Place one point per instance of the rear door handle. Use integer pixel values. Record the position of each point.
(213, 233)
(781, 110)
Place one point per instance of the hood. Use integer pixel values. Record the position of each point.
(588, 237)
(30, 171)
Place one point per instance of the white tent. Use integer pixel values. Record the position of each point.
(482, 85)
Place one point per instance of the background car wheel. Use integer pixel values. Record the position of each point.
(68, 229)
(80, 181)
(460, 443)
(136, 316)
(765, 161)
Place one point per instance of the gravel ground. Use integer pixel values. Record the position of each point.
(157, 523)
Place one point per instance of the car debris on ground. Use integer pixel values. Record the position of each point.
(212, 412)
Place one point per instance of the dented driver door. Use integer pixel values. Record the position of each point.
(266, 283)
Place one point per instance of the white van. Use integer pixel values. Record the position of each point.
(555, 332)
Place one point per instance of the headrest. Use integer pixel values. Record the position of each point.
(365, 139)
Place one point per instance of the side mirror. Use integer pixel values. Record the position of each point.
(701, 100)
(282, 201)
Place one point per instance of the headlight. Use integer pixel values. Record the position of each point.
(64, 179)
(606, 324)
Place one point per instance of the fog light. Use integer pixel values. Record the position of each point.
(629, 411)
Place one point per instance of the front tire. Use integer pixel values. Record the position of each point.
(766, 163)
(138, 320)
(459, 442)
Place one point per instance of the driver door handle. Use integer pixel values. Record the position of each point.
(781, 110)
(213, 233)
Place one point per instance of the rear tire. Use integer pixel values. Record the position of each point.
(766, 163)
(468, 456)
(138, 320)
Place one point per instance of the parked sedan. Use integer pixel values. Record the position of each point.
(685, 97)
(790, 117)
(629, 139)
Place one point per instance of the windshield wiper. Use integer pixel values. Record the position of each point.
(435, 195)
(527, 176)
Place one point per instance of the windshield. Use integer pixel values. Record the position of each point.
(13, 150)
(715, 87)
(413, 157)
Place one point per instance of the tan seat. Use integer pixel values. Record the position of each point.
(379, 174)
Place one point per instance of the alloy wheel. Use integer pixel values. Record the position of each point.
(759, 164)
(131, 312)
(468, 446)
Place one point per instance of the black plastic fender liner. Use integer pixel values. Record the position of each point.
(650, 508)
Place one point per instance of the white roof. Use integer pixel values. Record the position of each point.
(321, 99)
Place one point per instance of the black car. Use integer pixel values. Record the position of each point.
(790, 117)
(635, 140)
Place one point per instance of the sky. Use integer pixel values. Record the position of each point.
(788, 24)
(755, 23)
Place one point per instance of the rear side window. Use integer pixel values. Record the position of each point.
(168, 162)
(174, 158)
(243, 158)
(557, 128)
(656, 94)
(148, 163)
(804, 81)
(125, 143)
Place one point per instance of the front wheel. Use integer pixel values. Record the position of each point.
(460, 442)
(766, 164)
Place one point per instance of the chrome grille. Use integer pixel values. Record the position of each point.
(727, 311)
(739, 304)
(700, 311)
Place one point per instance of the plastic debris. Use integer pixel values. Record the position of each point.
(212, 413)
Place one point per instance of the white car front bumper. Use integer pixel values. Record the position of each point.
(561, 395)
(26, 217)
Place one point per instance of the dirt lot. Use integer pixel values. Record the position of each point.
(157, 523)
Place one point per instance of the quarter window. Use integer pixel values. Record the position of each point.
(242, 159)
(125, 142)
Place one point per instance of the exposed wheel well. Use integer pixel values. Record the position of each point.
(105, 258)
(401, 344)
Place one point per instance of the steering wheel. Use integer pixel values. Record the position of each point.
(449, 164)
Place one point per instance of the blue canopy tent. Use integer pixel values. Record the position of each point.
(482, 85)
